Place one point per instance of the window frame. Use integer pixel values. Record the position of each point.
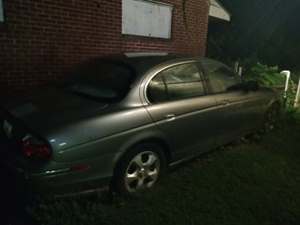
(208, 81)
(202, 79)
(127, 30)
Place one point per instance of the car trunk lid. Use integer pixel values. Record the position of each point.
(52, 109)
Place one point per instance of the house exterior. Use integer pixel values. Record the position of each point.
(40, 40)
(218, 11)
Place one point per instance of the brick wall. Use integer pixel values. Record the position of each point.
(40, 39)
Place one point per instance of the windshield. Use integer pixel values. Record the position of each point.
(101, 79)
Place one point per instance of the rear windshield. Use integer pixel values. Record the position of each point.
(101, 79)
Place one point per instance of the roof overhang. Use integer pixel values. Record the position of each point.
(217, 10)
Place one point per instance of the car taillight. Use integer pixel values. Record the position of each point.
(34, 148)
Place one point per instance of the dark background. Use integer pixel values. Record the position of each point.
(261, 30)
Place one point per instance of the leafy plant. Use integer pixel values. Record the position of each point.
(266, 75)
(269, 76)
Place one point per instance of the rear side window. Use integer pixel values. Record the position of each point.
(221, 77)
(178, 82)
(103, 79)
(157, 90)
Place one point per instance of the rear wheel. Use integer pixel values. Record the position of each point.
(139, 169)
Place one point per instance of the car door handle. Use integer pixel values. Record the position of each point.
(170, 117)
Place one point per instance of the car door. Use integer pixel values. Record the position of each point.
(181, 108)
(239, 110)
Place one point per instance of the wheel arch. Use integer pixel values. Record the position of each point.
(271, 102)
(274, 102)
(152, 138)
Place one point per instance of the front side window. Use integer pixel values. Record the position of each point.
(221, 78)
(178, 82)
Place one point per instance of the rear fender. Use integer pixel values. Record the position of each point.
(148, 136)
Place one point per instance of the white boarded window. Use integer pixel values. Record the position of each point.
(146, 18)
(1, 11)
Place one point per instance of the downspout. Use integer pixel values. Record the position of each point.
(286, 73)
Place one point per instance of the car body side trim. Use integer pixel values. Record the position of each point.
(178, 116)
(91, 142)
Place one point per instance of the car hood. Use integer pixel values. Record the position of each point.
(51, 109)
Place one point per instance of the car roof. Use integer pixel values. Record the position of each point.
(142, 62)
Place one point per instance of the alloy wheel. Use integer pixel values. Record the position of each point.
(142, 171)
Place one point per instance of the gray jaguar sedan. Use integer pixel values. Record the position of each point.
(123, 120)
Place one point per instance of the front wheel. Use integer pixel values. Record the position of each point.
(271, 117)
(139, 170)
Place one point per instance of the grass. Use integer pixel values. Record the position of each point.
(249, 183)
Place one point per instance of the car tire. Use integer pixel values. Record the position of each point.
(139, 169)
(271, 117)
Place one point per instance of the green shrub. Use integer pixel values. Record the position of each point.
(266, 75)
(269, 76)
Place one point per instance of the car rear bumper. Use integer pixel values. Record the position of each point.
(63, 183)
(54, 178)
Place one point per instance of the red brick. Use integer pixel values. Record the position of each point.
(41, 39)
